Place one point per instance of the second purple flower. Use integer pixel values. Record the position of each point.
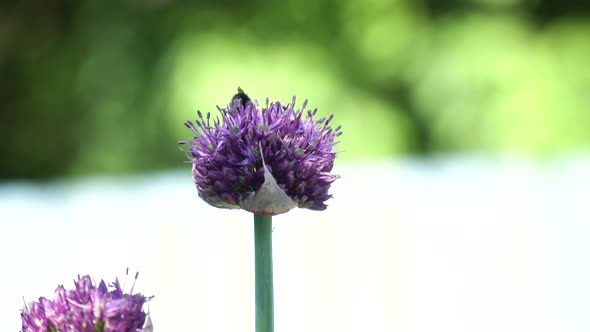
(88, 308)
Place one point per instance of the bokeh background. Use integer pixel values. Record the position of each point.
(91, 87)
(463, 203)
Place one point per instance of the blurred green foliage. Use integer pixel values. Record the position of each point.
(104, 86)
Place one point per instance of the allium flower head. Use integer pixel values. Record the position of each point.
(87, 308)
(264, 160)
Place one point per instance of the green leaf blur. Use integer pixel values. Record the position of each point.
(96, 87)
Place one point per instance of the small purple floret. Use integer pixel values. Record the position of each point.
(86, 308)
(297, 148)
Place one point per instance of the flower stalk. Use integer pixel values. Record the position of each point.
(264, 300)
(265, 159)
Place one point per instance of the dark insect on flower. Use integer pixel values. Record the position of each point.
(241, 95)
(264, 160)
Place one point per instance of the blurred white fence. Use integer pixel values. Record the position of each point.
(440, 245)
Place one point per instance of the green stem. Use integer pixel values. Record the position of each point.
(263, 273)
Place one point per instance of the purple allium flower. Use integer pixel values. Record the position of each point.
(87, 308)
(265, 161)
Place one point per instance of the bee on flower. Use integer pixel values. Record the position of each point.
(266, 160)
